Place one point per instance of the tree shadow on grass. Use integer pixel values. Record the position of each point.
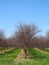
(37, 55)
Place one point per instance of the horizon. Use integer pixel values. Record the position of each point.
(13, 12)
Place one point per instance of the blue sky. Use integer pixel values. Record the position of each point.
(13, 12)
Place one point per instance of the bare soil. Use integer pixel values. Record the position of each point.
(21, 57)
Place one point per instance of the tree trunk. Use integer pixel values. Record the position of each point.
(25, 54)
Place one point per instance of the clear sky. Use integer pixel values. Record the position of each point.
(12, 12)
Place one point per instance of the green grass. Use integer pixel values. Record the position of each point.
(5, 49)
(37, 58)
(45, 49)
(7, 58)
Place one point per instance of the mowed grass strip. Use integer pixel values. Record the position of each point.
(39, 57)
(8, 57)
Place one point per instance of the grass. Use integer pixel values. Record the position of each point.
(8, 57)
(45, 49)
(37, 58)
(5, 49)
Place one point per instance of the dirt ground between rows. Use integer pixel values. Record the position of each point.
(21, 57)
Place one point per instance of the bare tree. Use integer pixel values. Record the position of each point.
(24, 36)
(11, 42)
(47, 34)
(2, 39)
(47, 39)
